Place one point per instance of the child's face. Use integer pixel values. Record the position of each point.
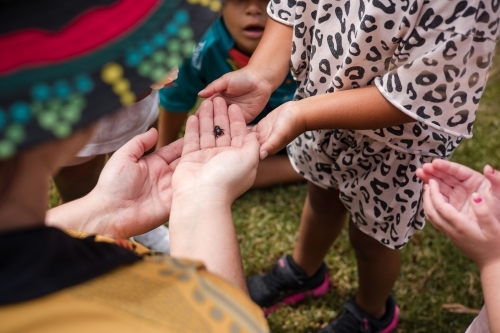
(245, 20)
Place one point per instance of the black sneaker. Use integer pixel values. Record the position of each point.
(286, 283)
(354, 320)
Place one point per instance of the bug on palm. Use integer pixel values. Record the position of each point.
(218, 131)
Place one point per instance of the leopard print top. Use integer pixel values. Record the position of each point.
(430, 59)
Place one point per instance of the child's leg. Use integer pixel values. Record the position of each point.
(275, 170)
(378, 269)
(76, 181)
(169, 126)
(323, 218)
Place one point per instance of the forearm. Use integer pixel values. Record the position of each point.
(490, 278)
(356, 109)
(271, 59)
(82, 214)
(201, 228)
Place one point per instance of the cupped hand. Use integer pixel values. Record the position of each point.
(465, 205)
(243, 87)
(280, 127)
(223, 166)
(136, 190)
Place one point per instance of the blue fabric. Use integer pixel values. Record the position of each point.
(210, 61)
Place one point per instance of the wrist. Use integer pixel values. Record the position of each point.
(186, 196)
(296, 109)
(100, 218)
(490, 269)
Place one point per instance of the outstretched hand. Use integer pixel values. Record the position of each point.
(465, 205)
(280, 127)
(136, 190)
(243, 87)
(224, 165)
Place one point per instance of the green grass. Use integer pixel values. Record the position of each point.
(434, 272)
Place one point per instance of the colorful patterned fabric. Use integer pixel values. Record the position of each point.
(92, 283)
(64, 66)
(215, 55)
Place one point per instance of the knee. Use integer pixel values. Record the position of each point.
(323, 201)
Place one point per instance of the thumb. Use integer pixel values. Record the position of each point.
(216, 86)
(271, 145)
(493, 176)
(251, 145)
(138, 145)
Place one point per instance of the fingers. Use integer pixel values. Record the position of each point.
(443, 214)
(221, 119)
(206, 123)
(171, 152)
(238, 125)
(487, 221)
(139, 144)
(251, 145)
(273, 143)
(493, 176)
(453, 172)
(216, 86)
(192, 136)
(434, 202)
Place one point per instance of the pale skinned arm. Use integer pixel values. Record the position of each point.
(133, 194)
(211, 174)
(465, 206)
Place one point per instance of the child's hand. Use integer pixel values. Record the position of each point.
(278, 129)
(465, 205)
(243, 87)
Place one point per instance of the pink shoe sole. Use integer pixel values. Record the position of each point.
(293, 299)
(392, 325)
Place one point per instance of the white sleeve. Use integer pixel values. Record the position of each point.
(282, 11)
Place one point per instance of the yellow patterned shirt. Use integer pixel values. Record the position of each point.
(149, 293)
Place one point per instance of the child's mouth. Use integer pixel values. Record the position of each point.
(253, 31)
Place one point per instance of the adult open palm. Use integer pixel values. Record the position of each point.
(138, 189)
(224, 163)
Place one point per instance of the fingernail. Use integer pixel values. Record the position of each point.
(426, 187)
(263, 154)
(477, 199)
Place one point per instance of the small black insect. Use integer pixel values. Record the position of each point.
(218, 131)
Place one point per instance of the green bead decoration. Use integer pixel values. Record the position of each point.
(188, 48)
(174, 60)
(159, 57)
(7, 149)
(61, 130)
(15, 133)
(78, 101)
(145, 68)
(158, 73)
(47, 119)
(174, 45)
(54, 104)
(186, 33)
(71, 113)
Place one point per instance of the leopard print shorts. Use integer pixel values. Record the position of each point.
(378, 185)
